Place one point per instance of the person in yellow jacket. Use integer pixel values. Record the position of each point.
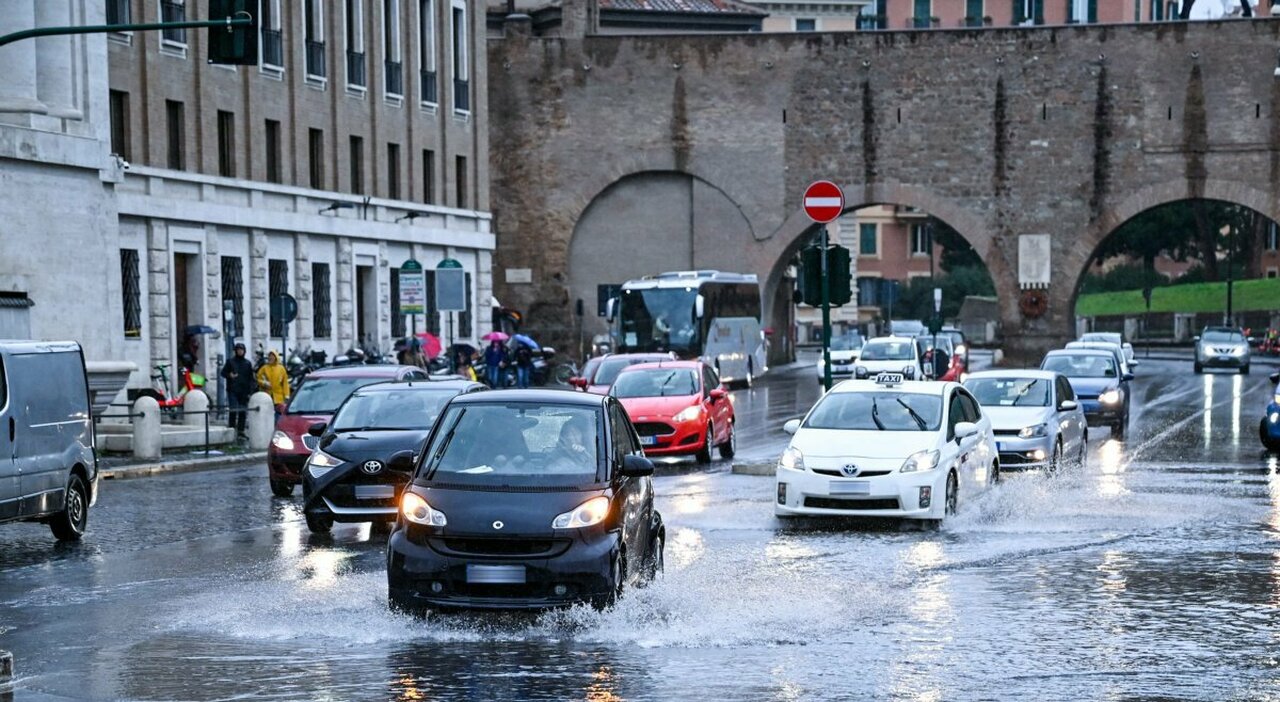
(274, 379)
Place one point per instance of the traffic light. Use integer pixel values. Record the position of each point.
(840, 289)
(234, 45)
(935, 324)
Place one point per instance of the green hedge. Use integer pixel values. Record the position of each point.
(1261, 294)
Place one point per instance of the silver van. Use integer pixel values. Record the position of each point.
(48, 466)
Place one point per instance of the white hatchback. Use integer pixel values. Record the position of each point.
(887, 447)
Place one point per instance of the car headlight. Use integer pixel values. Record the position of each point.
(1033, 432)
(589, 513)
(415, 508)
(961, 349)
(1238, 351)
(688, 414)
(792, 459)
(921, 461)
(320, 463)
(282, 441)
(1109, 397)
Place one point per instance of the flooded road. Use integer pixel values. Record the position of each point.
(1153, 572)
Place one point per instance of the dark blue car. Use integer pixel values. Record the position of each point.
(1269, 429)
(1100, 384)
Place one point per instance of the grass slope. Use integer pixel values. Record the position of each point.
(1261, 294)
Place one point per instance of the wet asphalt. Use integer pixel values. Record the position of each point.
(1154, 572)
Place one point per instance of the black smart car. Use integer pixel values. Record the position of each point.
(363, 458)
(526, 499)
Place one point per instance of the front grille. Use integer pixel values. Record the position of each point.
(1006, 432)
(1016, 459)
(479, 546)
(654, 429)
(835, 472)
(833, 503)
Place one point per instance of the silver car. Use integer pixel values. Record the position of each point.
(1037, 420)
(1222, 347)
(1113, 338)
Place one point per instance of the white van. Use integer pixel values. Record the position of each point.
(48, 466)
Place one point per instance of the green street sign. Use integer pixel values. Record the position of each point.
(413, 288)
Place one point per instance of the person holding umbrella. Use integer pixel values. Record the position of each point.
(524, 364)
(495, 358)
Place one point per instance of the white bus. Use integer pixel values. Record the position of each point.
(710, 315)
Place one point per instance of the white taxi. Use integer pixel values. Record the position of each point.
(887, 447)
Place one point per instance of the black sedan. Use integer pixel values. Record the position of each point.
(363, 458)
(526, 500)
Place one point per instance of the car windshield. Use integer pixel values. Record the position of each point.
(520, 444)
(1082, 366)
(943, 343)
(659, 319)
(848, 342)
(610, 368)
(1223, 337)
(391, 410)
(1010, 392)
(877, 411)
(888, 351)
(659, 382)
(1102, 336)
(323, 395)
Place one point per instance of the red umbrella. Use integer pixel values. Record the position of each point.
(430, 344)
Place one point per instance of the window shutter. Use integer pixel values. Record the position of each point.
(1018, 16)
(1093, 10)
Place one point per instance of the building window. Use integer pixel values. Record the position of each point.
(397, 319)
(393, 171)
(1028, 11)
(273, 152)
(356, 154)
(322, 326)
(272, 38)
(1272, 272)
(175, 121)
(315, 154)
(277, 285)
(427, 51)
(1157, 10)
(226, 144)
(461, 175)
(355, 43)
(428, 176)
(461, 89)
(1273, 236)
(173, 11)
(868, 291)
(1083, 11)
(973, 13)
(921, 245)
(119, 103)
(806, 24)
(874, 17)
(394, 74)
(867, 239)
(233, 290)
(313, 36)
(131, 289)
(921, 14)
(119, 12)
(464, 317)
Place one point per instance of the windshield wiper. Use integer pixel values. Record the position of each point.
(875, 415)
(1022, 393)
(919, 420)
(439, 455)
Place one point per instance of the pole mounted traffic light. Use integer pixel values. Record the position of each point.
(840, 288)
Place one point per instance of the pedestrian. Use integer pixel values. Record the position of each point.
(238, 372)
(495, 359)
(274, 380)
(462, 363)
(524, 365)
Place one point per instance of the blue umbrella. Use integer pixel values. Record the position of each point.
(196, 329)
(527, 341)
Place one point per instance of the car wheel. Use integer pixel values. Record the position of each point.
(730, 446)
(996, 475)
(1199, 368)
(953, 494)
(1244, 370)
(1056, 462)
(69, 524)
(618, 575)
(751, 375)
(319, 523)
(704, 453)
(1084, 453)
(1271, 444)
(655, 563)
(281, 488)
(1119, 429)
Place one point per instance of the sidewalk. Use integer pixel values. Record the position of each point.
(123, 467)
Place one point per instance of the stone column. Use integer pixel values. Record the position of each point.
(54, 61)
(346, 290)
(259, 307)
(383, 271)
(158, 300)
(18, 78)
(302, 290)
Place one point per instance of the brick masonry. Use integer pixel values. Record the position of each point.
(1067, 131)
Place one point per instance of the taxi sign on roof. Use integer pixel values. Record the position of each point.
(889, 379)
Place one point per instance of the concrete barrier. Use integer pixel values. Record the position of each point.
(261, 421)
(147, 440)
(194, 406)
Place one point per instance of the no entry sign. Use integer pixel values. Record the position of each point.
(823, 201)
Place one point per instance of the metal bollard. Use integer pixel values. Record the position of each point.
(147, 438)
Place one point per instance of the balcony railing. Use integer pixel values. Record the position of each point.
(315, 59)
(461, 95)
(872, 22)
(355, 68)
(272, 47)
(173, 11)
(394, 77)
(427, 79)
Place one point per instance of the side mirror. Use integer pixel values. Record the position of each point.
(1195, 338)
(401, 461)
(792, 426)
(636, 466)
(1129, 376)
(699, 306)
(965, 430)
(718, 394)
(1134, 363)
(317, 429)
(1068, 406)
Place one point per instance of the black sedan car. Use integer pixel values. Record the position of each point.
(364, 457)
(526, 499)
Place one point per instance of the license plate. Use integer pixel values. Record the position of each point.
(648, 441)
(850, 487)
(496, 574)
(375, 492)
(1223, 359)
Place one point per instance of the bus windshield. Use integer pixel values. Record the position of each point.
(659, 319)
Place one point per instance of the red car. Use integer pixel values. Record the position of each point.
(678, 408)
(581, 382)
(612, 364)
(315, 400)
